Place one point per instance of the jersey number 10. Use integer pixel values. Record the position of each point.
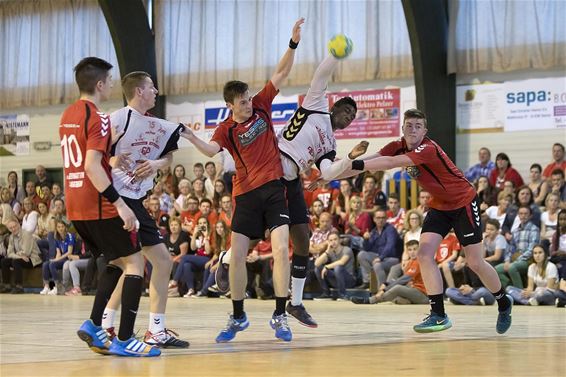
(71, 151)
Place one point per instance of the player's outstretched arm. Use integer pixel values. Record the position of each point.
(331, 170)
(100, 181)
(208, 149)
(286, 63)
(387, 162)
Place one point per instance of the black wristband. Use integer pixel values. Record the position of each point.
(358, 165)
(293, 45)
(111, 194)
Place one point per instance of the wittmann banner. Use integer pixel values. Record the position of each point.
(14, 135)
(378, 113)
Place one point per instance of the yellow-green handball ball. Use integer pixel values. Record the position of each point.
(340, 46)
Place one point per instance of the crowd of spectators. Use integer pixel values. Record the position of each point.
(359, 232)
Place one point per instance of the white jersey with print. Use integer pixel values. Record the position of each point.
(146, 138)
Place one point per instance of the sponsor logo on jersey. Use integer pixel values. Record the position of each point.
(255, 130)
(413, 171)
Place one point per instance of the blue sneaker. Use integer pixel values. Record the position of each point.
(281, 327)
(133, 348)
(433, 323)
(95, 336)
(222, 276)
(234, 325)
(504, 318)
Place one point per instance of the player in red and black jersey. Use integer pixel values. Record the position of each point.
(454, 204)
(248, 135)
(100, 216)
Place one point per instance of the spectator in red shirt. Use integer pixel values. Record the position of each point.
(372, 196)
(504, 172)
(190, 215)
(558, 163)
(395, 214)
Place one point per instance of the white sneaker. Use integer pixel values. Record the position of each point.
(190, 293)
(44, 291)
(482, 301)
(53, 292)
(533, 301)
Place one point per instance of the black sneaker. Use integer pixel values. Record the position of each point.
(300, 314)
(360, 300)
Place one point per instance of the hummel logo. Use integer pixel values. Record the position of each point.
(282, 215)
(420, 148)
(468, 235)
(157, 321)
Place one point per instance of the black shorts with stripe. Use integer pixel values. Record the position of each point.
(106, 237)
(465, 221)
(298, 211)
(148, 233)
(262, 208)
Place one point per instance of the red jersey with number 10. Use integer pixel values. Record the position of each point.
(84, 127)
(436, 173)
(252, 144)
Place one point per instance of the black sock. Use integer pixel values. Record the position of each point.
(106, 284)
(280, 305)
(502, 301)
(437, 304)
(238, 306)
(299, 266)
(131, 293)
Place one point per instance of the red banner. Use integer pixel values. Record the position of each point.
(378, 113)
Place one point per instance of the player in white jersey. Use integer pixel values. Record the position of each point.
(307, 140)
(145, 144)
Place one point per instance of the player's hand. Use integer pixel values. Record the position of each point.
(122, 161)
(296, 36)
(188, 133)
(128, 217)
(146, 169)
(358, 150)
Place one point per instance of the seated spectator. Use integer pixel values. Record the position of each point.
(379, 251)
(520, 250)
(29, 216)
(558, 186)
(185, 188)
(538, 185)
(486, 193)
(199, 190)
(325, 194)
(22, 252)
(41, 177)
(259, 265)
(178, 175)
(494, 243)
(6, 213)
(319, 239)
(372, 196)
(191, 263)
(65, 243)
(543, 278)
(408, 289)
(413, 226)
(205, 210)
(335, 268)
(424, 200)
(161, 218)
(76, 262)
(395, 214)
(165, 200)
(219, 192)
(226, 212)
(524, 197)
(509, 188)
(45, 193)
(341, 205)
(220, 241)
(467, 295)
(482, 168)
(558, 245)
(315, 211)
(7, 198)
(357, 223)
(190, 216)
(56, 193)
(44, 221)
(560, 294)
(558, 163)
(446, 256)
(549, 218)
(504, 172)
(17, 190)
(177, 242)
(210, 178)
(499, 212)
(31, 193)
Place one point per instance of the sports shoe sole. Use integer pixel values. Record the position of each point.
(430, 329)
(85, 337)
(309, 325)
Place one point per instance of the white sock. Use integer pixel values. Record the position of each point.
(108, 318)
(297, 287)
(226, 257)
(156, 322)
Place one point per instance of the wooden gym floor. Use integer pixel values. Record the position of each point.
(37, 338)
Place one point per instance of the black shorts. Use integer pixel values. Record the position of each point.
(148, 233)
(262, 208)
(465, 221)
(106, 237)
(298, 211)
